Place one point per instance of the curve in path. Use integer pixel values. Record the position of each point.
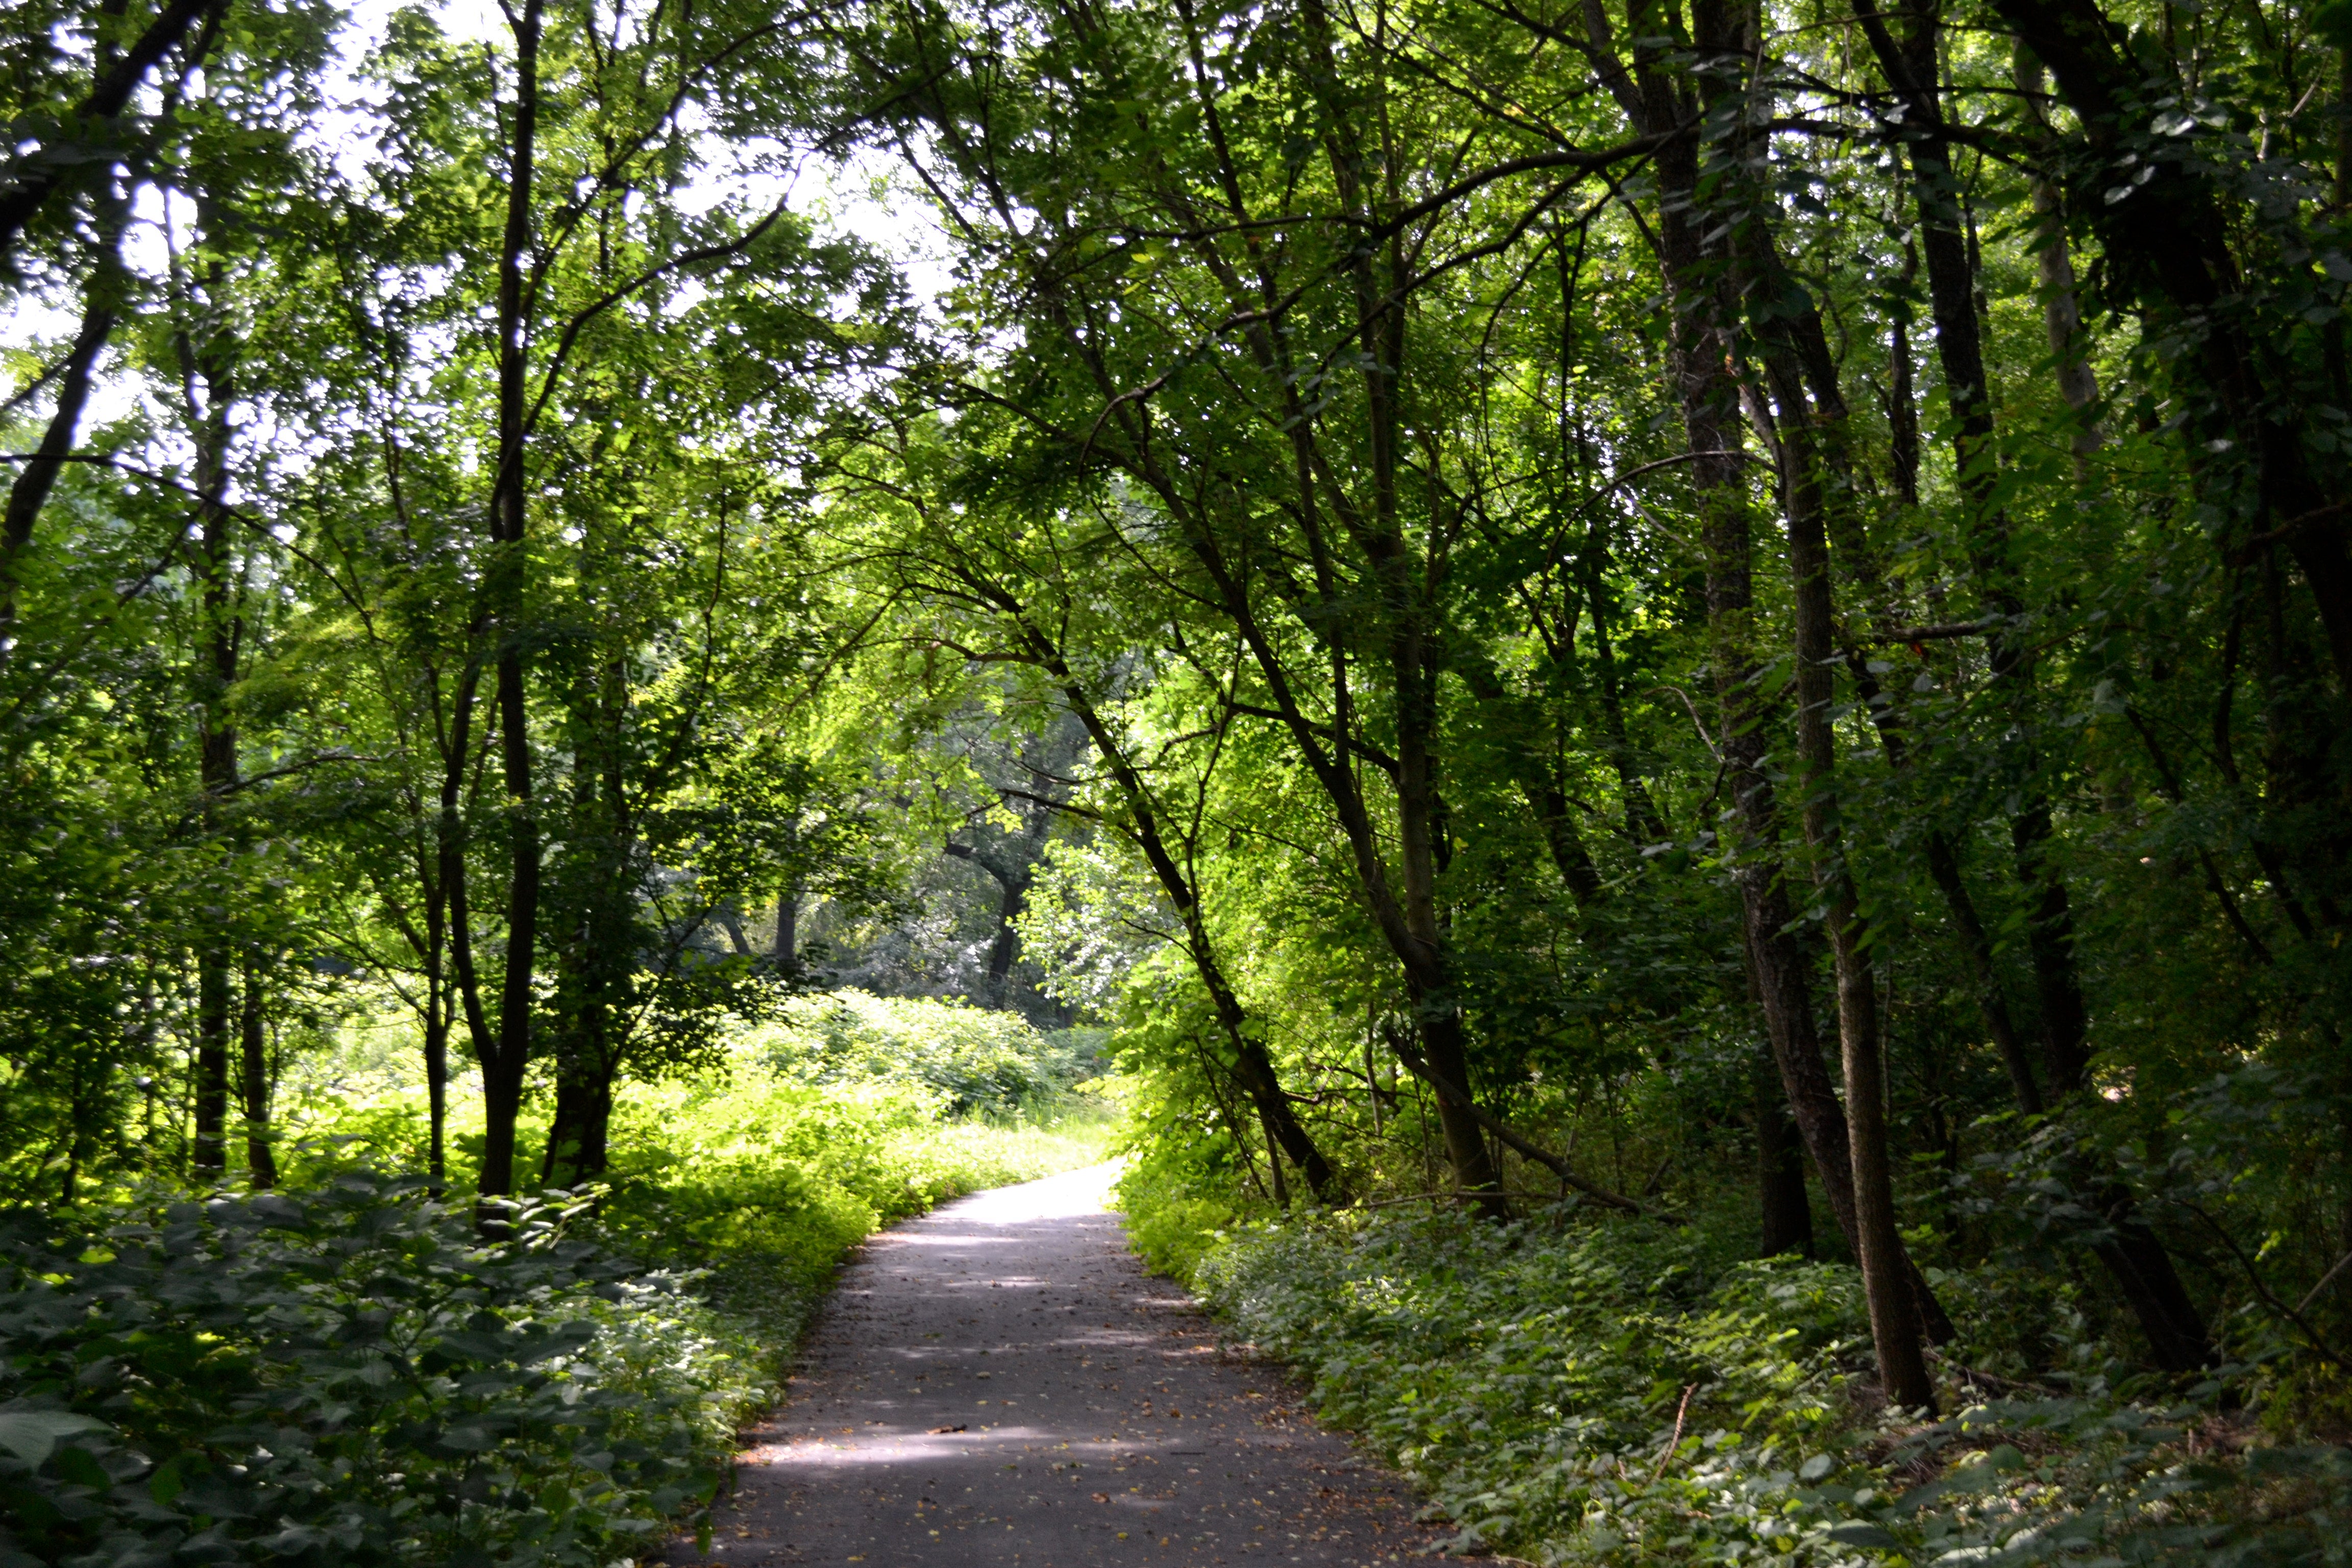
(1001, 1382)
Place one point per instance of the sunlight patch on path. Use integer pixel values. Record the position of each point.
(1000, 1382)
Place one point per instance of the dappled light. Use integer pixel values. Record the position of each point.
(949, 1410)
(994, 780)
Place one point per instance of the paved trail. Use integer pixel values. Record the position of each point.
(1000, 1383)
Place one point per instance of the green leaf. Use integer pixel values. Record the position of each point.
(1862, 1533)
(33, 1435)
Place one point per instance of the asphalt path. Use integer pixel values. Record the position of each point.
(1001, 1382)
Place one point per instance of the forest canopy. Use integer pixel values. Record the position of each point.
(1733, 620)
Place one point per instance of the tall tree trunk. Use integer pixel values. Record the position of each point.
(436, 1084)
(204, 367)
(1642, 816)
(2166, 241)
(1700, 356)
(503, 1074)
(2135, 1257)
(1894, 1316)
(1902, 397)
(438, 1005)
(1910, 68)
(2062, 316)
(209, 1155)
(1252, 1068)
(1274, 1162)
(579, 1139)
(1692, 233)
(261, 1163)
(1408, 634)
(1004, 948)
(1516, 728)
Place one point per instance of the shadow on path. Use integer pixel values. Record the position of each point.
(1000, 1382)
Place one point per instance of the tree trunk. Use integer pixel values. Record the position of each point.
(1274, 1162)
(208, 1157)
(1546, 801)
(216, 761)
(2166, 238)
(579, 1140)
(2137, 1259)
(1642, 817)
(1902, 396)
(1005, 949)
(436, 1084)
(1701, 353)
(1252, 1068)
(503, 1075)
(1805, 481)
(2062, 317)
(1787, 1213)
(1944, 867)
(788, 927)
(439, 1002)
(261, 1163)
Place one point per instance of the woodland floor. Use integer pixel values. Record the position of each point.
(1001, 1381)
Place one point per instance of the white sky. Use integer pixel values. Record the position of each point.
(863, 197)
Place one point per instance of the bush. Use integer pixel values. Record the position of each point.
(983, 1061)
(1596, 1395)
(350, 1377)
(348, 1373)
(1578, 1396)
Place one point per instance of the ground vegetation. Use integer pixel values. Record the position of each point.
(1651, 636)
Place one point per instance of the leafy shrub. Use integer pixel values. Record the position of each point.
(1172, 1225)
(348, 1376)
(765, 1181)
(983, 1061)
(1592, 1396)
(1579, 1395)
(348, 1373)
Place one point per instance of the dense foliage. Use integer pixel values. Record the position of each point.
(352, 1373)
(1623, 1396)
(349, 1377)
(1742, 611)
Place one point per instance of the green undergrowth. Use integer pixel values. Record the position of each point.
(348, 1376)
(756, 1174)
(765, 1183)
(347, 1372)
(1609, 1394)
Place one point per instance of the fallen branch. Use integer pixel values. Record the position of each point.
(1989, 1380)
(1944, 633)
(2304, 1305)
(1677, 1440)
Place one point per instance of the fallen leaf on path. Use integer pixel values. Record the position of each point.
(937, 1430)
